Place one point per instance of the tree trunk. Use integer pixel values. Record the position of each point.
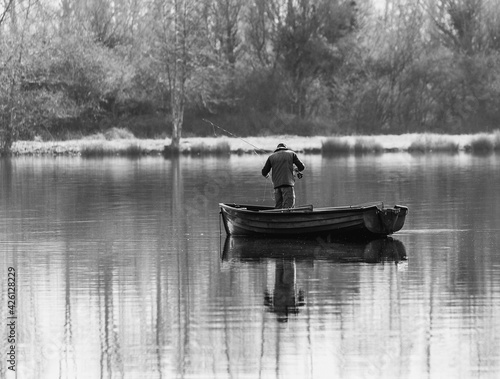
(9, 130)
(177, 120)
(177, 71)
(8, 137)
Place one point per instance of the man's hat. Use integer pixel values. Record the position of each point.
(281, 146)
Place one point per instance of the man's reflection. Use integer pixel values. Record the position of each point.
(285, 298)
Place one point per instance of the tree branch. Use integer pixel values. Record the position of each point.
(6, 10)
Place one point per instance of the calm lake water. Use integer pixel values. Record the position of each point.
(121, 271)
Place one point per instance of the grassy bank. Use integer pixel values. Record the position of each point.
(123, 143)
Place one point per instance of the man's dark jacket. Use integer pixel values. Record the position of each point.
(282, 161)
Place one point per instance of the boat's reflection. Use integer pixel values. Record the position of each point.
(284, 298)
(245, 248)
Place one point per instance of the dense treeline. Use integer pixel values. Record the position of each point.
(159, 67)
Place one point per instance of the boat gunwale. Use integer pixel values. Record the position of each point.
(350, 208)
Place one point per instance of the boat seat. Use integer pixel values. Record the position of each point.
(302, 208)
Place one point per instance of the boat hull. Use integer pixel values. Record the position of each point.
(363, 221)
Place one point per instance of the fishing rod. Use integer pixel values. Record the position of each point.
(296, 172)
(255, 148)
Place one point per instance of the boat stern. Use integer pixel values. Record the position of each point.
(224, 216)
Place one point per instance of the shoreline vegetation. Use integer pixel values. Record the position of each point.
(261, 68)
(123, 143)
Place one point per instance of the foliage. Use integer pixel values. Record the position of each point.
(428, 143)
(260, 67)
(367, 145)
(482, 144)
(335, 146)
(307, 42)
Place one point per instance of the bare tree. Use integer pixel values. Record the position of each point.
(222, 20)
(177, 33)
(307, 43)
(264, 22)
(9, 7)
(458, 24)
(10, 114)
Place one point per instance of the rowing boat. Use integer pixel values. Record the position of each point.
(365, 221)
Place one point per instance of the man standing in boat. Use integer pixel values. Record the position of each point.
(282, 162)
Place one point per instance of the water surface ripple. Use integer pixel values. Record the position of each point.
(122, 271)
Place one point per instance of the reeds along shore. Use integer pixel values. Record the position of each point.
(125, 144)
